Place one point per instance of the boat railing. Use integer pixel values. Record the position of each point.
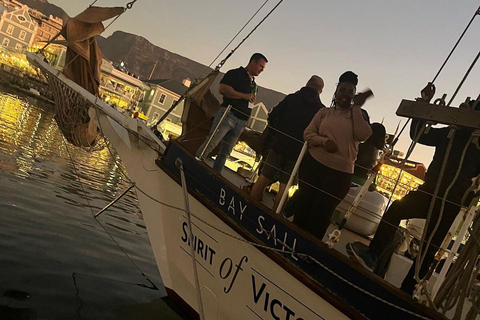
(374, 215)
(215, 131)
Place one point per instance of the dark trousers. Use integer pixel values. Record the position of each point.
(319, 192)
(414, 205)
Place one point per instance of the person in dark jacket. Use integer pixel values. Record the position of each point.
(417, 203)
(284, 140)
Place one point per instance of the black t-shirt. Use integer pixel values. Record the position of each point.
(240, 81)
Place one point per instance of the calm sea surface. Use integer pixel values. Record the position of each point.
(56, 260)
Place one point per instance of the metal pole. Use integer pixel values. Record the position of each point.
(353, 206)
(179, 164)
(251, 179)
(466, 224)
(114, 200)
(215, 130)
(292, 176)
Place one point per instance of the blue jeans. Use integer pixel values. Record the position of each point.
(228, 134)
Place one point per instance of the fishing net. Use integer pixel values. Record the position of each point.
(71, 113)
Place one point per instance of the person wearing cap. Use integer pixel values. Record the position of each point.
(325, 173)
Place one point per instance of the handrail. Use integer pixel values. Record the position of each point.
(215, 131)
(292, 176)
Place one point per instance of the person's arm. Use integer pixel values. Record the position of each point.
(228, 92)
(312, 137)
(434, 134)
(431, 138)
(361, 126)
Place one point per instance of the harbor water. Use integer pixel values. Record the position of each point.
(57, 261)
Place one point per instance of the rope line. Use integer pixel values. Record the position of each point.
(290, 251)
(228, 44)
(421, 254)
(93, 215)
(456, 44)
(248, 35)
(219, 66)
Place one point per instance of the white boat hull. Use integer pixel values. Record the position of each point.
(237, 280)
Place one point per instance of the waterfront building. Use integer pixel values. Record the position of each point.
(259, 117)
(160, 95)
(54, 52)
(17, 28)
(120, 88)
(48, 26)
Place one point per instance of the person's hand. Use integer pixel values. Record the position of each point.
(330, 146)
(360, 98)
(428, 92)
(250, 97)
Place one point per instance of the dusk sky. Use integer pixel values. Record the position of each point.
(395, 47)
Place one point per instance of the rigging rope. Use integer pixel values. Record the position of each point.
(477, 12)
(464, 78)
(404, 161)
(442, 208)
(456, 44)
(228, 44)
(248, 35)
(421, 255)
(101, 225)
(290, 251)
(217, 68)
(127, 7)
(462, 275)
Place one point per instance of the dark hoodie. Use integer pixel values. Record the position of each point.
(289, 119)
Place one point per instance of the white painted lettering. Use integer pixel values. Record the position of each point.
(232, 205)
(260, 219)
(221, 200)
(242, 210)
(273, 233)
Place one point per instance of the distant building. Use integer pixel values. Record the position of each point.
(11, 4)
(54, 52)
(120, 88)
(258, 118)
(48, 27)
(17, 28)
(160, 95)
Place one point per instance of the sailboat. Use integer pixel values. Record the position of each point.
(220, 253)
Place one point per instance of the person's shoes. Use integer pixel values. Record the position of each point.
(360, 252)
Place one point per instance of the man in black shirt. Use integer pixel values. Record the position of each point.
(239, 90)
(287, 122)
(416, 204)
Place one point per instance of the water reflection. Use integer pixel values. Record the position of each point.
(29, 136)
(47, 232)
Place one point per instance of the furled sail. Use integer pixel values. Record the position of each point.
(82, 65)
(200, 107)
